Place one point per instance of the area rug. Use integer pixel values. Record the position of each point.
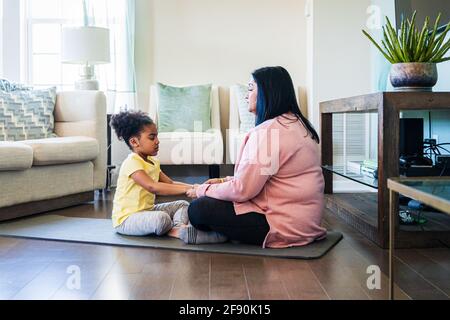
(100, 231)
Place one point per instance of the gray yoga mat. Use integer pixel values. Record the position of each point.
(100, 231)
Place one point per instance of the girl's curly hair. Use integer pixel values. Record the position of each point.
(128, 124)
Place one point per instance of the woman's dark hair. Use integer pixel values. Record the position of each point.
(128, 124)
(276, 96)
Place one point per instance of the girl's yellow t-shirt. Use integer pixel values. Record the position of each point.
(130, 197)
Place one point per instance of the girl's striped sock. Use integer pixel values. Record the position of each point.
(190, 235)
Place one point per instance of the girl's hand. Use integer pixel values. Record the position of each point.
(192, 192)
(215, 181)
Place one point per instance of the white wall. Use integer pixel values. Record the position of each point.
(339, 59)
(340, 54)
(201, 41)
(182, 42)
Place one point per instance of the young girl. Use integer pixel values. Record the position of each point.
(140, 179)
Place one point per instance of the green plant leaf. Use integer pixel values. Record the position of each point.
(419, 48)
(395, 41)
(432, 40)
(390, 47)
(441, 53)
(378, 47)
(409, 44)
(388, 52)
(440, 42)
(403, 40)
(412, 27)
(442, 60)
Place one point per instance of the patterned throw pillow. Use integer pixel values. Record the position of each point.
(247, 119)
(6, 85)
(27, 114)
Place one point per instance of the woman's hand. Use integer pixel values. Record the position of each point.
(215, 181)
(192, 192)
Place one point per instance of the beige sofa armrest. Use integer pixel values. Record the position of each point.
(83, 113)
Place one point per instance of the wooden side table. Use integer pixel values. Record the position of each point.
(369, 214)
(434, 192)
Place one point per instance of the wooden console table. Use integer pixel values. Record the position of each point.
(369, 213)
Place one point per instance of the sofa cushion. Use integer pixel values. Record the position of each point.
(63, 150)
(27, 114)
(15, 156)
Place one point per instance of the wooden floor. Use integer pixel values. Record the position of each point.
(31, 269)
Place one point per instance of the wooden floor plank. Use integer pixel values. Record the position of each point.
(117, 286)
(338, 280)
(37, 269)
(16, 274)
(300, 281)
(227, 278)
(439, 255)
(193, 276)
(91, 272)
(263, 279)
(46, 283)
(155, 284)
(6, 244)
(431, 271)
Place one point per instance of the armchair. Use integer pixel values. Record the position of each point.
(199, 148)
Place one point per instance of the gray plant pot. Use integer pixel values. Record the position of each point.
(414, 76)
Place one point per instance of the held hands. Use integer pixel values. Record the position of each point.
(192, 192)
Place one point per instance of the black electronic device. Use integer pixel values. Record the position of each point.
(411, 137)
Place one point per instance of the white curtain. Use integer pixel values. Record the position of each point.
(117, 79)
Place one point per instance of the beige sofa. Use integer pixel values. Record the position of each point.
(47, 174)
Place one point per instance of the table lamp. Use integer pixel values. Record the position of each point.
(88, 46)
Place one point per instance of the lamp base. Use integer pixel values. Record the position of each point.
(86, 84)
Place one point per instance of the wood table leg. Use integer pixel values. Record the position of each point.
(392, 212)
(326, 124)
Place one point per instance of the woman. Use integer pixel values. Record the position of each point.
(275, 198)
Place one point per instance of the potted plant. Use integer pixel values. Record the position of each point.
(414, 53)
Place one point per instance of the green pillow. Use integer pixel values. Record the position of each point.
(181, 107)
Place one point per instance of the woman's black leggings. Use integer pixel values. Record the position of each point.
(208, 214)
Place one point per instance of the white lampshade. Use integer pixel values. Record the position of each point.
(85, 45)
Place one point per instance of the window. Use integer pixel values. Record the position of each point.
(352, 139)
(44, 22)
